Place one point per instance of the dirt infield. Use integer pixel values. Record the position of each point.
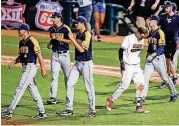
(98, 69)
(13, 122)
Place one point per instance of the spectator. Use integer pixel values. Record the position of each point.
(142, 10)
(85, 9)
(175, 57)
(99, 8)
(169, 22)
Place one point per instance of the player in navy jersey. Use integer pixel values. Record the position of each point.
(169, 22)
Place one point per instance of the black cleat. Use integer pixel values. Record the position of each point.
(6, 114)
(89, 114)
(52, 101)
(65, 113)
(173, 98)
(39, 116)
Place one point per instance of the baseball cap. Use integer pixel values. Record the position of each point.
(174, 6)
(167, 3)
(56, 14)
(155, 17)
(80, 19)
(24, 26)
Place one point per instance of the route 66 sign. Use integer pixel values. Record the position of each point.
(44, 10)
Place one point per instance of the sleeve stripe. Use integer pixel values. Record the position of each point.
(36, 44)
(161, 41)
(69, 30)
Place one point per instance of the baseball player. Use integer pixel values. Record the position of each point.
(82, 67)
(60, 53)
(175, 57)
(169, 22)
(130, 68)
(155, 59)
(29, 51)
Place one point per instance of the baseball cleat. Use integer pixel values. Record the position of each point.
(6, 114)
(39, 116)
(89, 114)
(173, 98)
(65, 113)
(99, 39)
(109, 104)
(140, 109)
(163, 85)
(52, 101)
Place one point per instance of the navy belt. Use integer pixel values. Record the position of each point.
(61, 52)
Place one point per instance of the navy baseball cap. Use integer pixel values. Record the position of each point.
(167, 3)
(80, 19)
(174, 6)
(56, 14)
(155, 17)
(24, 26)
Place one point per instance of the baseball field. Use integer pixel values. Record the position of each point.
(123, 112)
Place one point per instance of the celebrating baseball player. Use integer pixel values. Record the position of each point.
(82, 67)
(169, 22)
(155, 59)
(130, 68)
(60, 55)
(29, 51)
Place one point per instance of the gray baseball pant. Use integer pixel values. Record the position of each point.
(84, 69)
(158, 64)
(59, 61)
(27, 80)
(175, 58)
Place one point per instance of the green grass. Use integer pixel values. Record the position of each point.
(123, 113)
(103, 53)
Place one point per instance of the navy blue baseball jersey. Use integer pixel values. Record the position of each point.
(85, 40)
(28, 49)
(157, 40)
(63, 31)
(170, 26)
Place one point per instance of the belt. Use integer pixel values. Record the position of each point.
(24, 64)
(61, 52)
(83, 60)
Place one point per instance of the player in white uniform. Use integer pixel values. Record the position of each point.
(129, 56)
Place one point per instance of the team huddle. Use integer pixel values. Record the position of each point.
(162, 45)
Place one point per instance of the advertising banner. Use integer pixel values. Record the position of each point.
(44, 11)
(11, 14)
